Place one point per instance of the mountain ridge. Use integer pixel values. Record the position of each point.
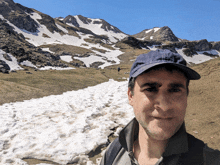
(97, 38)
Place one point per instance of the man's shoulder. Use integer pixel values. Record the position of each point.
(115, 154)
(194, 142)
(208, 150)
(198, 147)
(212, 156)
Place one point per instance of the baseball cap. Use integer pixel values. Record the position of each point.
(145, 62)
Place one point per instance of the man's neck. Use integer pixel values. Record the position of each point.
(147, 149)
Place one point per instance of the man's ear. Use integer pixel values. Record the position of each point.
(130, 96)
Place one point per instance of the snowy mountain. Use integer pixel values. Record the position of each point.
(95, 37)
(97, 26)
(37, 40)
(159, 34)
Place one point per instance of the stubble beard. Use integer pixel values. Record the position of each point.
(159, 133)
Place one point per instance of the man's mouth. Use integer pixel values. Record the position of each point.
(163, 118)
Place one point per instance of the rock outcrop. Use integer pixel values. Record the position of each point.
(216, 45)
(139, 44)
(18, 15)
(15, 44)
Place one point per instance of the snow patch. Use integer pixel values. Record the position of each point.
(198, 58)
(13, 64)
(1, 17)
(111, 55)
(28, 63)
(47, 50)
(55, 68)
(153, 47)
(91, 59)
(66, 58)
(62, 28)
(35, 16)
(96, 28)
(156, 29)
(147, 31)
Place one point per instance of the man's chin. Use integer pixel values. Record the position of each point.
(161, 133)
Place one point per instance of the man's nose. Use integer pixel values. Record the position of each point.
(163, 101)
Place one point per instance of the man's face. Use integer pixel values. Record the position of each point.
(159, 102)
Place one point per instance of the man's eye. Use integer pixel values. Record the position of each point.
(151, 89)
(174, 90)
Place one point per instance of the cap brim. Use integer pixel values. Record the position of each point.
(190, 73)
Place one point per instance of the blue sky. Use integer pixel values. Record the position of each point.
(188, 19)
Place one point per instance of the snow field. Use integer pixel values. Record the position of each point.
(64, 127)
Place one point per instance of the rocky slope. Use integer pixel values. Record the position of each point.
(15, 44)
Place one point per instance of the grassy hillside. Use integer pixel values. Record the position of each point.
(203, 115)
(22, 85)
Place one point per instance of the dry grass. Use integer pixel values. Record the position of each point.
(67, 48)
(203, 115)
(22, 86)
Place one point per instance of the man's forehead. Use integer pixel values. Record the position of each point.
(161, 71)
(155, 77)
(159, 84)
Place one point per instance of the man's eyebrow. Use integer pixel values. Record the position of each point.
(176, 85)
(153, 84)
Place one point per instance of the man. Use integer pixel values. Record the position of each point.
(157, 91)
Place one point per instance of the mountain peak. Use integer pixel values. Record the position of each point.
(158, 34)
(85, 20)
(96, 26)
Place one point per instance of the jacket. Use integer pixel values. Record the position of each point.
(182, 149)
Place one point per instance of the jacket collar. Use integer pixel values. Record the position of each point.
(177, 144)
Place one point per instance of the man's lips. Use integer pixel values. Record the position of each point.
(162, 118)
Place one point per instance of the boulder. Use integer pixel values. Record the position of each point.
(169, 47)
(135, 43)
(4, 68)
(216, 45)
(189, 52)
(5, 49)
(132, 41)
(203, 45)
(7, 57)
(23, 21)
(96, 64)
